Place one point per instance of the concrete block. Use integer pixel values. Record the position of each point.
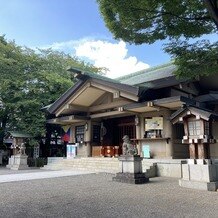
(199, 172)
(207, 186)
(191, 161)
(200, 161)
(185, 172)
(169, 170)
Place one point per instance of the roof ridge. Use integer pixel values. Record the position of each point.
(150, 69)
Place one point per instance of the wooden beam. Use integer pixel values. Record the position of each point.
(109, 105)
(76, 107)
(68, 119)
(111, 90)
(108, 114)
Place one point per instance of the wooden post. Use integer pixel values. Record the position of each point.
(138, 135)
(203, 151)
(169, 134)
(192, 151)
(88, 134)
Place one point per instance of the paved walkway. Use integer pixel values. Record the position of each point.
(97, 196)
(7, 175)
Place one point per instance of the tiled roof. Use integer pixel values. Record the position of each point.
(17, 134)
(151, 74)
(92, 75)
(203, 112)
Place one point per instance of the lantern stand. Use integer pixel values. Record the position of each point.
(199, 171)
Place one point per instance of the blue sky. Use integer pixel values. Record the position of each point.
(76, 27)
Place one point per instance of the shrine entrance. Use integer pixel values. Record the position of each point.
(116, 128)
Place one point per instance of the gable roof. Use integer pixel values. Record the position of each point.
(82, 78)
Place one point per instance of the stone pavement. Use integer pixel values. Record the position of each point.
(7, 175)
(96, 195)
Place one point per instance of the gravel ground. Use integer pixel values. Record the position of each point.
(95, 195)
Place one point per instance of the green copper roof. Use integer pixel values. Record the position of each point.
(151, 74)
(92, 75)
(17, 134)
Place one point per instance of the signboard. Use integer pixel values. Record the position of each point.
(36, 152)
(71, 150)
(153, 123)
(146, 151)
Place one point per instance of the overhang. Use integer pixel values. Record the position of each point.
(172, 103)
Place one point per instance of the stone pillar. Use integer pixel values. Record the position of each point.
(88, 135)
(131, 170)
(168, 128)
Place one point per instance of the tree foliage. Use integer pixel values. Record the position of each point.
(146, 21)
(193, 60)
(30, 80)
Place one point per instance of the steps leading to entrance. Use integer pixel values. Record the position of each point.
(108, 165)
(95, 164)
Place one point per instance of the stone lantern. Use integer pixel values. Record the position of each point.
(199, 171)
(18, 159)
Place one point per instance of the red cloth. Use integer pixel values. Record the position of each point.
(66, 137)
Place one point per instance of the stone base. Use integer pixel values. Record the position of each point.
(200, 174)
(132, 178)
(18, 162)
(130, 164)
(207, 186)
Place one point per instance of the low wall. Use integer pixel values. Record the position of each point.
(54, 159)
(167, 167)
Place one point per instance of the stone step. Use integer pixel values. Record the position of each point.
(108, 165)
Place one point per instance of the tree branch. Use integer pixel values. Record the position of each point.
(212, 7)
(164, 13)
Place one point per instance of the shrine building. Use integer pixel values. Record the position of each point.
(148, 106)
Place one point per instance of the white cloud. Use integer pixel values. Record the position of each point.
(66, 46)
(113, 56)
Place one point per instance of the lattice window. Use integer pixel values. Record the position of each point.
(194, 128)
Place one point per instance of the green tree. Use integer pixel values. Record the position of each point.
(30, 80)
(146, 21)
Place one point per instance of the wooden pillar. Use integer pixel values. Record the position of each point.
(203, 151)
(193, 151)
(142, 126)
(168, 127)
(138, 136)
(88, 135)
